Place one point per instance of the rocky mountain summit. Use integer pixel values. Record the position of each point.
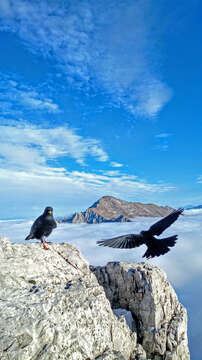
(53, 305)
(111, 209)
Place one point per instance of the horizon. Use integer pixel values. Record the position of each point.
(81, 210)
(188, 210)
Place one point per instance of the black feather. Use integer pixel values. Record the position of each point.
(43, 225)
(160, 247)
(123, 242)
(161, 225)
(155, 247)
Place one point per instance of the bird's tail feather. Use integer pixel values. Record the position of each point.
(170, 241)
(161, 247)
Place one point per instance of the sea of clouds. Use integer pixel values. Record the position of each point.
(183, 264)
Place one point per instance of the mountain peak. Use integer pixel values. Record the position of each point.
(111, 209)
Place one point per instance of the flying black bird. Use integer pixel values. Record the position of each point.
(155, 247)
(43, 226)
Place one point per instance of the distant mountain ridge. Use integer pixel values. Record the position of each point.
(111, 209)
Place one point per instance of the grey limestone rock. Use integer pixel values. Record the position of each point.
(44, 319)
(53, 306)
(144, 290)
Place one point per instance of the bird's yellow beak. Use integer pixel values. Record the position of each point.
(49, 211)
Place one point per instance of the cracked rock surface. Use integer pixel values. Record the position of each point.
(52, 306)
(44, 319)
(143, 289)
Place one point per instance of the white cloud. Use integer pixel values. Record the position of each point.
(116, 164)
(120, 183)
(29, 147)
(151, 97)
(32, 101)
(162, 147)
(14, 97)
(34, 167)
(112, 173)
(193, 211)
(67, 190)
(162, 141)
(199, 180)
(163, 135)
(27, 151)
(109, 48)
(31, 170)
(185, 254)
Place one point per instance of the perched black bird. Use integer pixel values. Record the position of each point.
(43, 226)
(155, 247)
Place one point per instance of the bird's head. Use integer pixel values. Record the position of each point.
(48, 211)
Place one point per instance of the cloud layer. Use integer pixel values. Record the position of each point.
(186, 253)
(98, 46)
(38, 163)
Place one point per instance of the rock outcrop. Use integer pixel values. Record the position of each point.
(111, 209)
(54, 306)
(142, 289)
(92, 217)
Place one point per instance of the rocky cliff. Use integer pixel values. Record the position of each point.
(54, 306)
(111, 209)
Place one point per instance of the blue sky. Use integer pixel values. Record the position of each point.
(99, 98)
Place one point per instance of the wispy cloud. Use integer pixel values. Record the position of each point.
(15, 97)
(68, 190)
(119, 183)
(162, 141)
(34, 164)
(151, 97)
(112, 173)
(30, 147)
(163, 135)
(162, 147)
(199, 179)
(116, 164)
(107, 48)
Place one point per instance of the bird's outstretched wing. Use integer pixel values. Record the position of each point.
(161, 225)
(123, 242)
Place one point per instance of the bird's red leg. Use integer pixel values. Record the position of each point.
(43, 243)
(150, 257)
